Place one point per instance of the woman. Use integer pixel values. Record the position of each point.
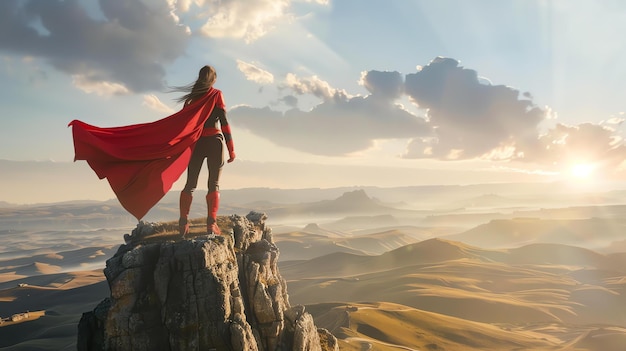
(215, 132)
(142, 161)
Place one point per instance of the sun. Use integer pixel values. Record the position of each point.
(582, 170)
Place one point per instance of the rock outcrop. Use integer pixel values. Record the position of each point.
(205, 293)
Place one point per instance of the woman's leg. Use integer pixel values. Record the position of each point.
(186, 196)
(215, 161)
(198, 155)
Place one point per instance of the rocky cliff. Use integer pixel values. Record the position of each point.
(204, 293)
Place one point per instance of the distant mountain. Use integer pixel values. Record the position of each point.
(430, 206)
(298, 246)
(314, 228)
(353, 202)
(353, 223)
(497, 233)
(66, 215)
(439, 250)
(469, 218)
(378, 243)
(489, 201)
(561, 255)
(615, 246)
(4, 204)
(344, 264)
(314, 241)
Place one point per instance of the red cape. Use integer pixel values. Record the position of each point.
(142, 161)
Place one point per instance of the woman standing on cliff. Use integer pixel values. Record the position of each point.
(215, 133)
(142, 161)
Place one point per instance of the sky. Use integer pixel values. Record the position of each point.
(324, 93)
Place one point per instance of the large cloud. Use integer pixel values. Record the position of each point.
(466, 117)
(123, 46)
(339, 125)
(471, 119)
(475, 120)
(129, 46)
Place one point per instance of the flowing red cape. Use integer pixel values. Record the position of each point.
(142, 161)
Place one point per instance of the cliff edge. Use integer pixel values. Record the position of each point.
(203, 293)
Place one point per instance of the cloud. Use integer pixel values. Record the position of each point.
(470, 119)
(129, 46)
(567, 146)
(465, 118)
(249, 20)
(128, 42)
(153, 102)
(312, 85)
(289, 100)
(255, 73)
(339, 125)
(615, 121)
(240, 19)
(98, 87)
(388, 85)
(496, 122)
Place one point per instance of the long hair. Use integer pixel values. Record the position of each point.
(206, 79)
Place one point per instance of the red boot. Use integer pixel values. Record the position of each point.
(185, 205)
(212, 203)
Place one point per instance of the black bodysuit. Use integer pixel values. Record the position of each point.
(211, 147)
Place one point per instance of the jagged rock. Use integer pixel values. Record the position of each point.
(206, 293)
(142, 230)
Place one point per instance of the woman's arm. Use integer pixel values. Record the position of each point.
(228, 137)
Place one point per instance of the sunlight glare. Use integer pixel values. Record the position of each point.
(582, 170)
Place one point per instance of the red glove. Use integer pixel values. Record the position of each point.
(231, 150)
(229, 142)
